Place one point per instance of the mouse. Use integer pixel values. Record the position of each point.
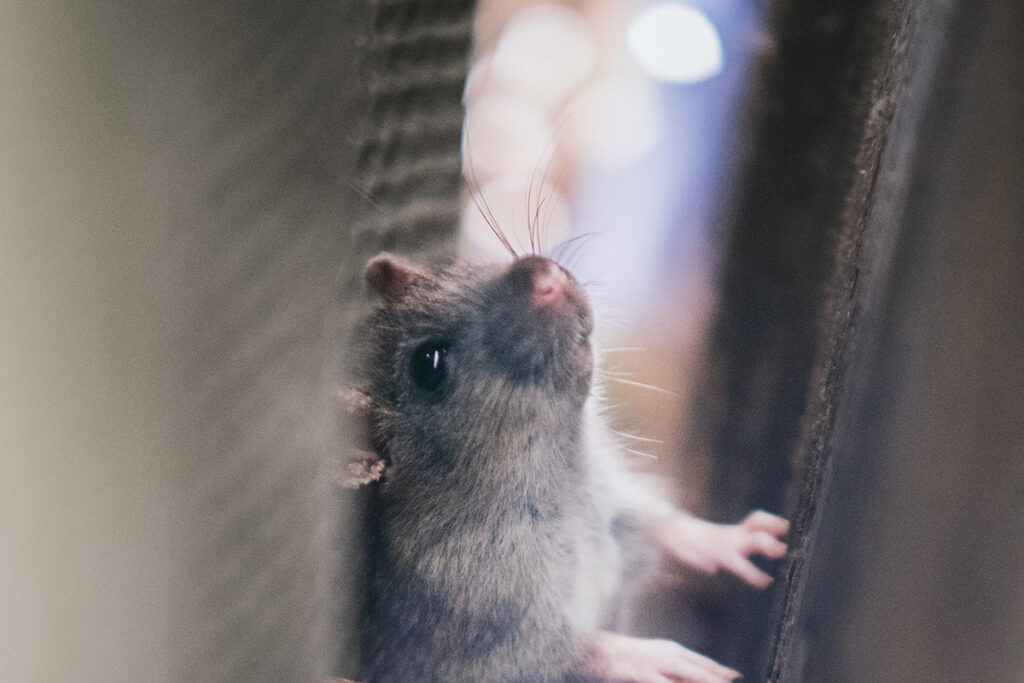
(502, 517)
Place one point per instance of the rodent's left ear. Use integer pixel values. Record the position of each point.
(390, 276)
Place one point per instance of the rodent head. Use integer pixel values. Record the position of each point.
(471, 367)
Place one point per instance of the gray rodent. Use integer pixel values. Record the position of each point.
(502, 520)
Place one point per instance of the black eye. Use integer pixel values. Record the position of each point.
(429, 366)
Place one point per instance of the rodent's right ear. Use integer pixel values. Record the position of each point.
(390, 276)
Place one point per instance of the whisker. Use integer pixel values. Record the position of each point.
(617, 373)
(535, 225)
(634, 383)
(489, 218)
(637, 438)
(561, 246)
(577, 247)
(529, 222)
(532, 217)
(541, 224)
(476, 193)
(548, 157)
(636, 452)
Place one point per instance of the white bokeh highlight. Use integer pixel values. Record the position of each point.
(676, 43)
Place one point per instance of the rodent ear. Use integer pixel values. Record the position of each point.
(390, 276)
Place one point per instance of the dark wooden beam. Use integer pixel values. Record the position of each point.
(878, 240)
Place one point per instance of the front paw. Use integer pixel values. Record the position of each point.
(623, 659)
(711, 547)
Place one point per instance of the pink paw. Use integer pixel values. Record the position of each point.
(622, 659)
(711, 547)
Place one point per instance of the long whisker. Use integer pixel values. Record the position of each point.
(535, 224)
(558, 182)
(488, 216)
(547, 157)
(576, 240)
(531, 220)
(637, 438)
(634, 383)
(476, 193)
(577, 246)
(636, 452)
(617, 373)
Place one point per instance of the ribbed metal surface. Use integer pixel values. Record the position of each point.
(332, 133)
(414, 69)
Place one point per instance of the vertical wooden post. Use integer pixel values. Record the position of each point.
(866, 373)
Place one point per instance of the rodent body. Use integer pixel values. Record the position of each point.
(495, 537)
(487, 589)
(491, 546)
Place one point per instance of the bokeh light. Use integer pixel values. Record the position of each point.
(676, 43)
(545, 53)
(615, 121)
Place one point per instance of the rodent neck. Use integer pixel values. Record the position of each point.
(502, 467)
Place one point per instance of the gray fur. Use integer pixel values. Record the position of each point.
(490, 540)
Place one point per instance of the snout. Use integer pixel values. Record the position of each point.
(540, 322)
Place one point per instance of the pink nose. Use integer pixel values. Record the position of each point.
(549, 284)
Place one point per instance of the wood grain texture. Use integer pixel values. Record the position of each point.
(855, 377)
(913, 570)
(819, 122)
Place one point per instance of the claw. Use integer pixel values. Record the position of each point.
(641, 660)
(710, 547)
